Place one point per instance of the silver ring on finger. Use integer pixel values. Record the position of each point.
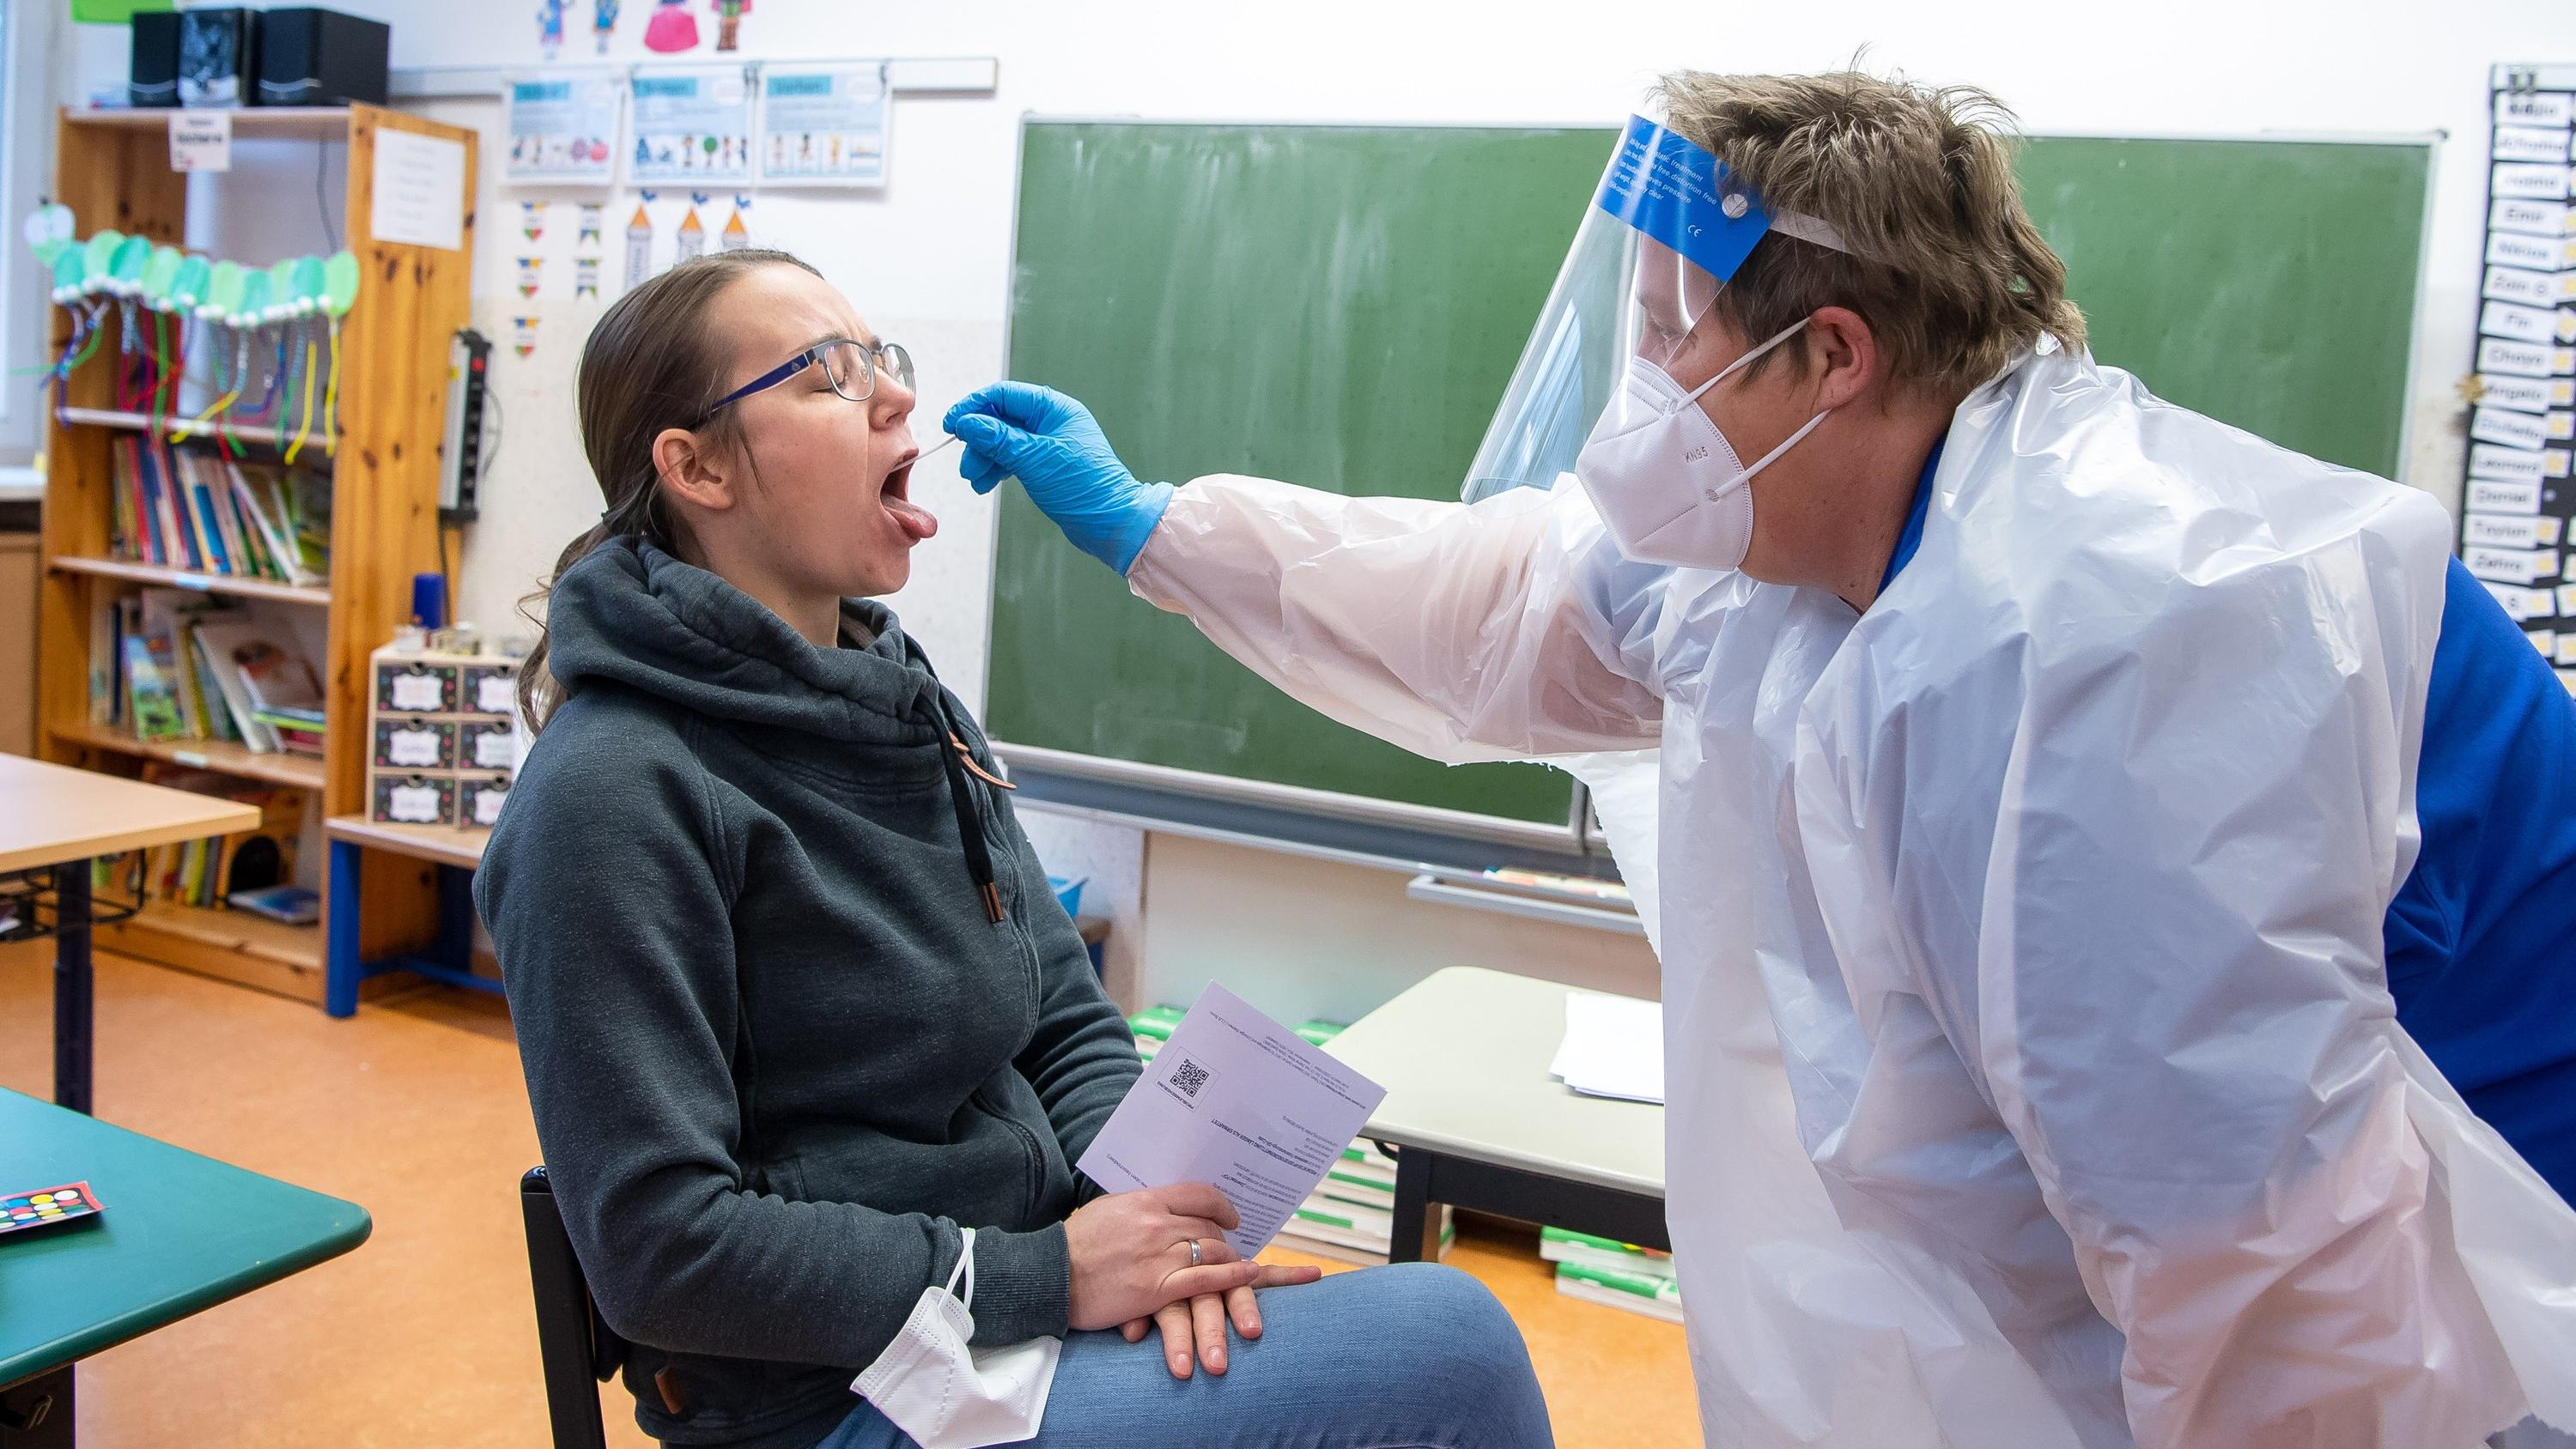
(1195, 1256)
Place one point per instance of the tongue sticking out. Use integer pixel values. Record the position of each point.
(911, 517)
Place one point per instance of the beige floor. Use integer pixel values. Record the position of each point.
(423, 1336)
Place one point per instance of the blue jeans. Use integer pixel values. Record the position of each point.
(1414, 1356)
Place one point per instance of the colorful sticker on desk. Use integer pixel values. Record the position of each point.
(421, 745)
(45, 1207)
(415, 688)
(415, 800)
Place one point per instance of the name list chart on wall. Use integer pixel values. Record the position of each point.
(2518, 503)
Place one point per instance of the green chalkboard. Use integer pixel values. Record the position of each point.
(1340, 306)
(2269, 284)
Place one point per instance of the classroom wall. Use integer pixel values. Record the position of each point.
(926, 260)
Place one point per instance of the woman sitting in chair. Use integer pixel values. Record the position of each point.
(811, 1046)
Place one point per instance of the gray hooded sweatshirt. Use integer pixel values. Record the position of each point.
(794, 999)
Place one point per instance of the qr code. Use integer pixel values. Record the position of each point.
(1189, 1076)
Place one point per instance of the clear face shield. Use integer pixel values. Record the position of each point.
(1667, 228)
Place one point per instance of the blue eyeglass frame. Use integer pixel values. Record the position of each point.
(872, 352)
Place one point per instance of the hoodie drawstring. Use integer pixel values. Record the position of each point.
(970, 815)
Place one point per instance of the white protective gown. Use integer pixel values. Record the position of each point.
(2033, 1078)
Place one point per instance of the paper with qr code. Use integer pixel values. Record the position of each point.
(1242, 1103)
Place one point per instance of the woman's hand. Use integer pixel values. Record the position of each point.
(1194, 1332)
(1132, 1253)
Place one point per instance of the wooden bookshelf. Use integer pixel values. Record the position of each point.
(178, 428)
(113, 171)
(227, 584)
(275, 767)
(267, 123)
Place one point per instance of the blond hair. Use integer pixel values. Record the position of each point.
(1944, 265)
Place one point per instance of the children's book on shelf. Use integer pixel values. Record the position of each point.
(175, 664)
(209, 511)
(208, 872)
(276, 683)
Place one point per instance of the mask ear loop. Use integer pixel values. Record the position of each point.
(1746, 360)
(1739, 364)
(965, 1268)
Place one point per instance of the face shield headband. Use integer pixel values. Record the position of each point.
(1669, 225)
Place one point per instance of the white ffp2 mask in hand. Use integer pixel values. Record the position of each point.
(946, 1395)
(1663, 477)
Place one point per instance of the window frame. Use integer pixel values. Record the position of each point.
(28, 34)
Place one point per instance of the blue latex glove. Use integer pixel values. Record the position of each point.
(1050, 442)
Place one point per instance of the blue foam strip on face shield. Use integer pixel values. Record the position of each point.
(1671, 190)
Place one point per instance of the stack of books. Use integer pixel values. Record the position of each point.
(210, 513)
(1350, 1217)
(173, 664)
(205, 872)
(1619, 1275)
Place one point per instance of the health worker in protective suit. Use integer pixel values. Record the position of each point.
(2120, 939)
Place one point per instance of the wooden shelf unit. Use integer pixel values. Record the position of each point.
(180, 428)
(113, 171)
(144, 573)
(276, 768)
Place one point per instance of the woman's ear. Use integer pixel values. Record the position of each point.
(694, 471)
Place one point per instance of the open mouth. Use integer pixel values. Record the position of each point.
(895, 494)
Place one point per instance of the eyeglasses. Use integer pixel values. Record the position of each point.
(852, 367)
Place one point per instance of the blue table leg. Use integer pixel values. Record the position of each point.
(341, 967)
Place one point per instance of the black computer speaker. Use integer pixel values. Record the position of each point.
(309, 56)
(218, 55)
(152, 78)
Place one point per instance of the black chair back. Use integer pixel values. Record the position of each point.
(579, 1350)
